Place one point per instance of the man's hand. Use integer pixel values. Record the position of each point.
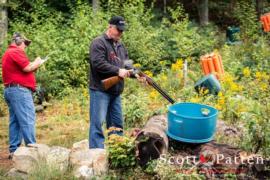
(38, 61)
(34, 65)
(141, 79)
(123, 73)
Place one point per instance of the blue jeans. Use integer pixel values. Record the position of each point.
(21, 116)
(103, 106)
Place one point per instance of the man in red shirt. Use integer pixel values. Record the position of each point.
(19, 81)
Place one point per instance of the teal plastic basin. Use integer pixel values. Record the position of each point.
(188, 122)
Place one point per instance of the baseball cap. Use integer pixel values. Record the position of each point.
(119, 22)
(20, 36)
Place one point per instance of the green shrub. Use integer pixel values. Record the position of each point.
(245, 13)
(121, 151)
(135, 102)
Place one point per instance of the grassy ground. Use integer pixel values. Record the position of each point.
(62, 124)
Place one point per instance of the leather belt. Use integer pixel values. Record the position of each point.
(17, 85)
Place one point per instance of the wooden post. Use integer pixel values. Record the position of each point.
(185, 70)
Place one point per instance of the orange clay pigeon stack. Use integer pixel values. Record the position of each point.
(212, 64)
(265, 19)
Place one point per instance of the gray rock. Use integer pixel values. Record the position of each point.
(25, 158)
(14, 173)
(39, 108)
(58, 157)
(42, 150)
(84, 172)
(81, 145)
(95, 159)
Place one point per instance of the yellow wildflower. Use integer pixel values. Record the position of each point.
(163, 77)
(177, 65)
(218, 107)
(196, 99)
(258, 75)
(246, 72)
(261, 76)
(137, 65)
(203, 91)
(263, 86)
(148, 73)
(85, 93)
(228, 81)
(221, 101)
(153, 94)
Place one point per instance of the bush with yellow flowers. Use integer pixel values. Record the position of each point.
(120, 149)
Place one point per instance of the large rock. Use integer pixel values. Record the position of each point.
(58, 157)
(42, 150)
(25, 158)
(81, 145)
(84, 172)
(94, 159)
(16, 174)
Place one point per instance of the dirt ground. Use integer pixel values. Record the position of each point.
(5, 163)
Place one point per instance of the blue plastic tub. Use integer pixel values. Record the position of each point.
(192, 122)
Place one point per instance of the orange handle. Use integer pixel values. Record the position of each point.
(210, 65)
(205, 66)
(221, 64)
(217, 65)
(267, 20)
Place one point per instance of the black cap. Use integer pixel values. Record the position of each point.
(119, 22)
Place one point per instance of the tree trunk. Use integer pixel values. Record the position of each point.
(202, 6)
(3, 21)
(259, 8)
(152, 140)
(95, 4)
(164, 6)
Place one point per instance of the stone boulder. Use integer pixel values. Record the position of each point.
(58, 157)
(25, 159)
(16, 174)
(81, 145)
(90, 162)
(42, 150)
(84, 172)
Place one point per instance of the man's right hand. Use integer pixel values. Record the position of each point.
(33, 66)
(38, 61)
(123, 73)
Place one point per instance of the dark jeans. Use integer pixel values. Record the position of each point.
(22, 117)
(103, 106)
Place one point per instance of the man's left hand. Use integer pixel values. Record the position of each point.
(142, 80)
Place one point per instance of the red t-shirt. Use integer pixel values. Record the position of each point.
(13, 62)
